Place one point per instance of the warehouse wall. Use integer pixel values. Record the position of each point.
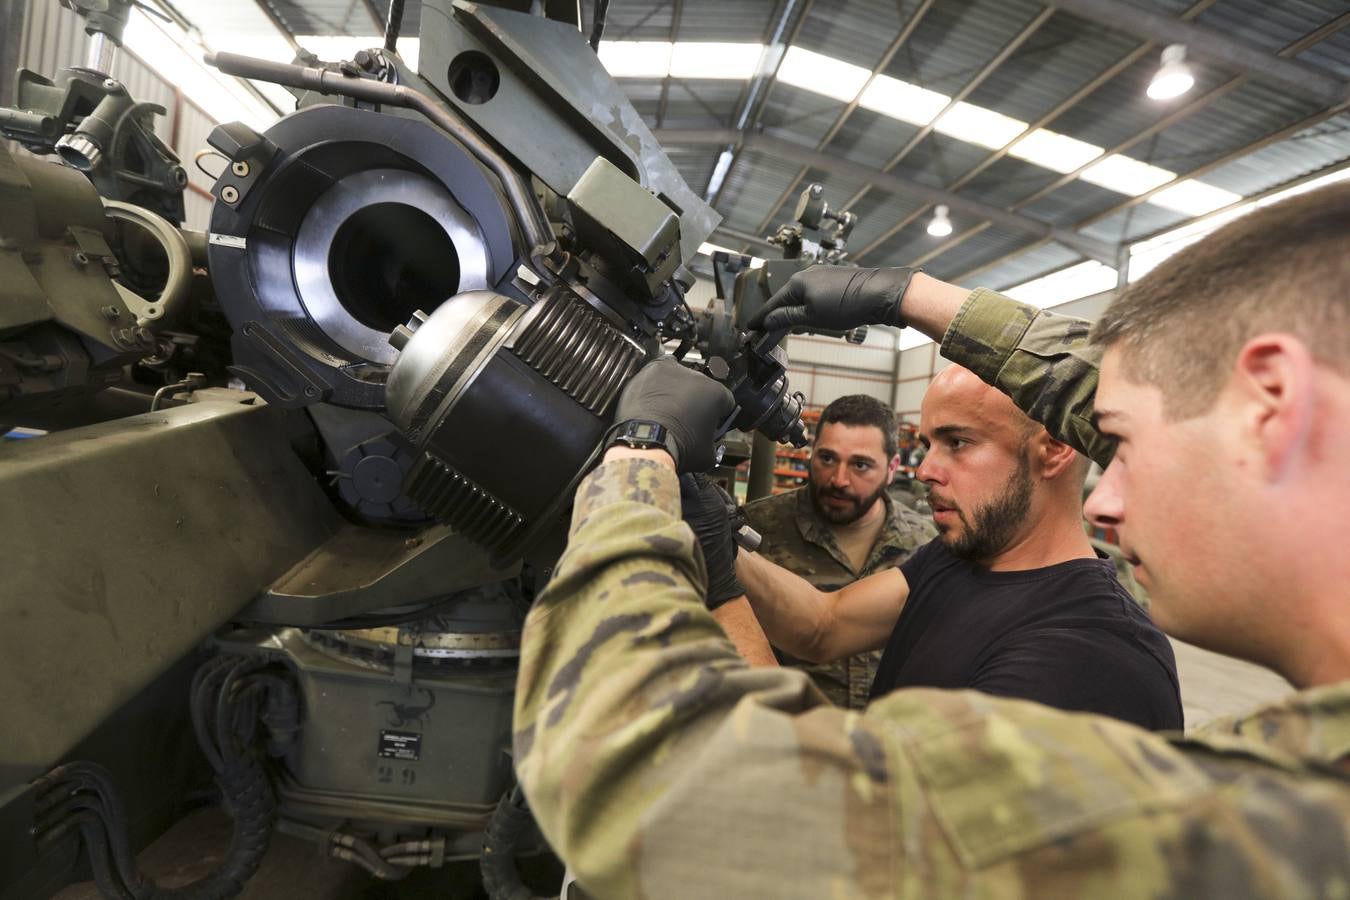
(54, 37)
(919, 365)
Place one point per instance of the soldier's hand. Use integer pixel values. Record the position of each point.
(836, 297)
(689, 404)
(705, 508)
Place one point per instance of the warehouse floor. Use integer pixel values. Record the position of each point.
(1211, 685)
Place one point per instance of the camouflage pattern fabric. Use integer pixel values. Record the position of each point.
(659, 765)
(796, 538)
(1040, 359)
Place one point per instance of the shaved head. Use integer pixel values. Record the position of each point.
(956, 387)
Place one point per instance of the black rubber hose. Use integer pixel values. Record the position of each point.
(497, 863)
(393, 25)
(229, 697)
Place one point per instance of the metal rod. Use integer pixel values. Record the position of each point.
(532, 219)
(100, 53)
(393, 26)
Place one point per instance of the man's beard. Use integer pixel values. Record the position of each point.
(846, 515)
(996, 523)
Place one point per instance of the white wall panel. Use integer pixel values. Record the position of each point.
(821, 386)
(909, 396)
(194, 127)
(54, 38)
(917, 362)
(841, 354)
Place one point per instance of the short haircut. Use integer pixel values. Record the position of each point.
(860, 409)
(1285, 268)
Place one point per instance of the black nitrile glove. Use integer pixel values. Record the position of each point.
(706, 508)
(838, 297)
(689, 404)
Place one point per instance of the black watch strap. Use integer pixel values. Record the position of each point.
(642, 434)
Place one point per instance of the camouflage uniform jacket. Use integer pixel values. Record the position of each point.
(796, 538)
(659, 765)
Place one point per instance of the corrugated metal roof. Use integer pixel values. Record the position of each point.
(799, 115)
(1270, 25)
(752, 186)
(1064, 54)
(956, 38)
(1241, 117)
(1008, 181)
(952, 45)
(1072, 203)
(733, 21)
(871, 138)
(1314, 148)
(1022, 267)
(877, 213)
(1134, 222)
(856, 31)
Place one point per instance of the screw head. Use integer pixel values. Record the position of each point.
(240, 168)
(229, 193)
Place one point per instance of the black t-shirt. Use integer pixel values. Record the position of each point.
(1067, 635)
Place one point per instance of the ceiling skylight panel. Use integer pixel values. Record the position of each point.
(636, 59)
(1195, 198)
(977, 125)
(167, 50)
(1082, 280)
(1126, 175)
(1057, 152)
(902, 100)
(822, 74)
(695, 59)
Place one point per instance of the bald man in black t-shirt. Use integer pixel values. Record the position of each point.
(1010, 599)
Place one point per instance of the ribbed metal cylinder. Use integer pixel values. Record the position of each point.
(459, 503)
(577, 349)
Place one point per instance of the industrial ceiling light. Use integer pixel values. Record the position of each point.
(941, 226)
(1174, 77)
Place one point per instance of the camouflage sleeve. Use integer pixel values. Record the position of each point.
(641, 737)
(1041, 360)
(659, 765)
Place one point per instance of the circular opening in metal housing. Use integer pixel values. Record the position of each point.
(473, 77)
(388, 260)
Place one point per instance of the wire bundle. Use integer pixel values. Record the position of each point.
(231, 697)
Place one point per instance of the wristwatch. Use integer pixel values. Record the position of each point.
(641, 434)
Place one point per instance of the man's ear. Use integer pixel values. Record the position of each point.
(1272, 383)
(1053, 456)
(892, 467)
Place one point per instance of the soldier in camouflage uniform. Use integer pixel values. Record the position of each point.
(799, 537)
(659, 765)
